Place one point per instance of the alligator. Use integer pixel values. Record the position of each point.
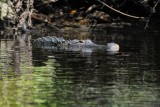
(59, 43)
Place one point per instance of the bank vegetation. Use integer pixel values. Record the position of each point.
(25, 15)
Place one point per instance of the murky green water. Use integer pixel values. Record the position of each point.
(31, 77)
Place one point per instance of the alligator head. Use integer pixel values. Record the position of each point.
(73, 45)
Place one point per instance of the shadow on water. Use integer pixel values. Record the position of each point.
(43, 77)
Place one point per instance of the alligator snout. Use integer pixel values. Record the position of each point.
(112, 47)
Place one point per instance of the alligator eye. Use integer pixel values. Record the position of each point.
(81, 41)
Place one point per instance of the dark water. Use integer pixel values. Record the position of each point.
(31, 77)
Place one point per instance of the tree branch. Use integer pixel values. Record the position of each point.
(131, 16)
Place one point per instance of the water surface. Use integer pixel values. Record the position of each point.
(32, 77)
